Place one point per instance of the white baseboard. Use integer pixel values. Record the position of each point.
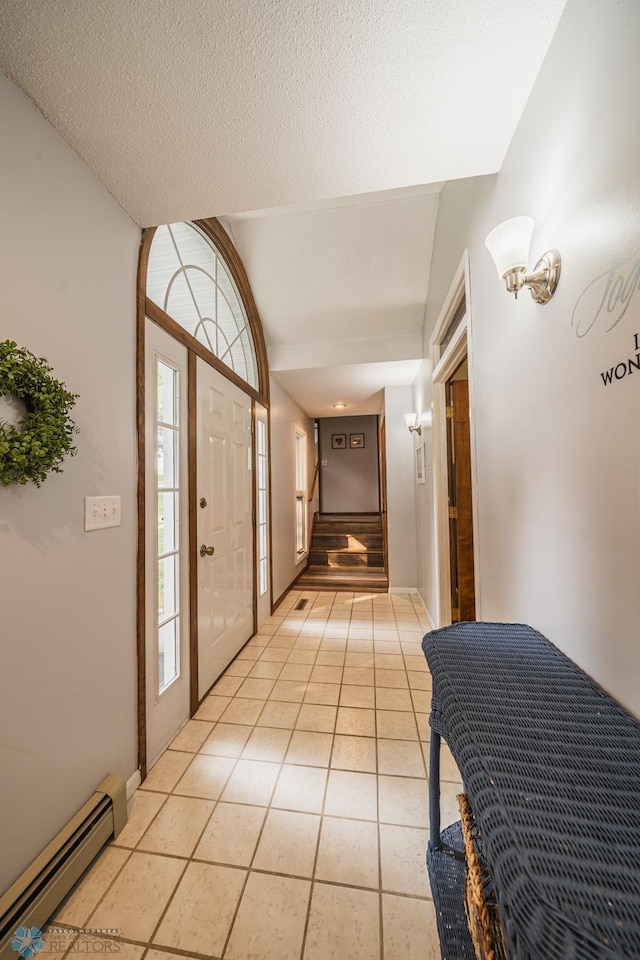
(403, 590)
(133, 783)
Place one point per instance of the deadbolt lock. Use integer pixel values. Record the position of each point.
(203, 502)
(206, 551)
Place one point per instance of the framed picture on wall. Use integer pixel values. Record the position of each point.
(338, 441)
(420, 476)
(356, 440)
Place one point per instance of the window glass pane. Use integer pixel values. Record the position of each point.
(191, 283)
(167, 522)
(167, 587)
(167, 388)
(168, 654)
(263, 577)
(167, 460)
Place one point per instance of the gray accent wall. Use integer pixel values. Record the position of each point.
(349, 477)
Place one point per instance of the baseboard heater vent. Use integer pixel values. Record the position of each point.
(37, 893)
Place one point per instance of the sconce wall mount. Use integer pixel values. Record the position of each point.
(509, 245)
(413, 422)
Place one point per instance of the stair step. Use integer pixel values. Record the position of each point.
(347, 541)
(344, 558)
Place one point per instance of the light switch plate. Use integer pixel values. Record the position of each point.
(100, 512)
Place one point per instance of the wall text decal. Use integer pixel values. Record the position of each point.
(607, 298)
(625, 367)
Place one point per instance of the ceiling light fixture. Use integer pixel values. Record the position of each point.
(339, 406)
(508, 244)
(412, 420)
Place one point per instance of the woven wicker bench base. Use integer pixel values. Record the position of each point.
(447, 889)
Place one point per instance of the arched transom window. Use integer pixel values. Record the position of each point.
(190, 281)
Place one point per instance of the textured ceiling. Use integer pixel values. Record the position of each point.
(192, 108)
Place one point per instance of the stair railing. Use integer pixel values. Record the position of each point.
(312, 489)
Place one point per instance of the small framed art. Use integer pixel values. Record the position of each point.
(356, 440)
(338, 441)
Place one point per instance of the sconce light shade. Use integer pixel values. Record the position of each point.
(412, 420)
(509, 244)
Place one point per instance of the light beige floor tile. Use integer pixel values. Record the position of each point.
(164, 775)
(288, 843)
(308, 643)
(404, 801)
(389, 661)
(177, 828)
(275, 655)
(392, 698)
(415, 663)
(238, 668)
(356, 722)
(316, 717)
(264, 670)
(137, 898)
(362, 660)
(403, 852)
(401, 758)
(348, 852)
(292, 691)
(300, 789)
(252, 781)
(91, 944)
(227, 740)
(449, 808)
(396, 725)
(358, 676)
(354, 753)
(391, 678)
(142, 808)
(212, 708)
(409, 929)
(271, 919)
(329, 657)
(206, 777)
(296, 671)
(75, 910)
(159, 955)
(448, 768)
(360, 633)
(419, 680)
(267, 743)
(277, 713)
(357, 696)
(351, 795)
(190, 923)
(192, 736)
(326, 674)
(250, 652)
(421, 701)
(231, 834)
(243, 711)
(385, 645)
(227, 686)
(307, 657)
(328, 693)
(361, 644)
(344, 924)
(310, 749)
(255, 688)
(283, 641)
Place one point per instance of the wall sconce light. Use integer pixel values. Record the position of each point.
(509, 245)
(412, 420)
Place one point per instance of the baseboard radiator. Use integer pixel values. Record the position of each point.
(37, 893)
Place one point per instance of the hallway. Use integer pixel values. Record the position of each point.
(288, 819)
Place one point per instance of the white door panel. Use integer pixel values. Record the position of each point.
(224, 480)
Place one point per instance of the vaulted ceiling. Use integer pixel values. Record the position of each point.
(195, 108)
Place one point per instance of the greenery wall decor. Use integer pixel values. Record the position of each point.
(38, 444)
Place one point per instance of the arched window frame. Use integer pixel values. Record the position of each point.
(215, 232)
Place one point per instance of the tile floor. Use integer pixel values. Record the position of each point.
(288, 819)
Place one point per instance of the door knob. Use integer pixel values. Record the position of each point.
(206, 551)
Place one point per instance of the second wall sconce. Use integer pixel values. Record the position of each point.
(412, 420)
(508, 244)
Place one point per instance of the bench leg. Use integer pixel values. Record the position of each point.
(434, 791)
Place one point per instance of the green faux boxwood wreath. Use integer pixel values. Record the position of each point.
(38, 444)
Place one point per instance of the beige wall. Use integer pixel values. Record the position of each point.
(401, 517)
(285, 416)
(68, 675)
(558, 460)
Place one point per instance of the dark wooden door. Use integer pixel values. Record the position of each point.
(463, 594)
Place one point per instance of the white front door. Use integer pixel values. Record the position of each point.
(166, 539)
(225, 529)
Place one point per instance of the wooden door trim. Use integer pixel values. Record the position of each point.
(192, 453)
(444, 364)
